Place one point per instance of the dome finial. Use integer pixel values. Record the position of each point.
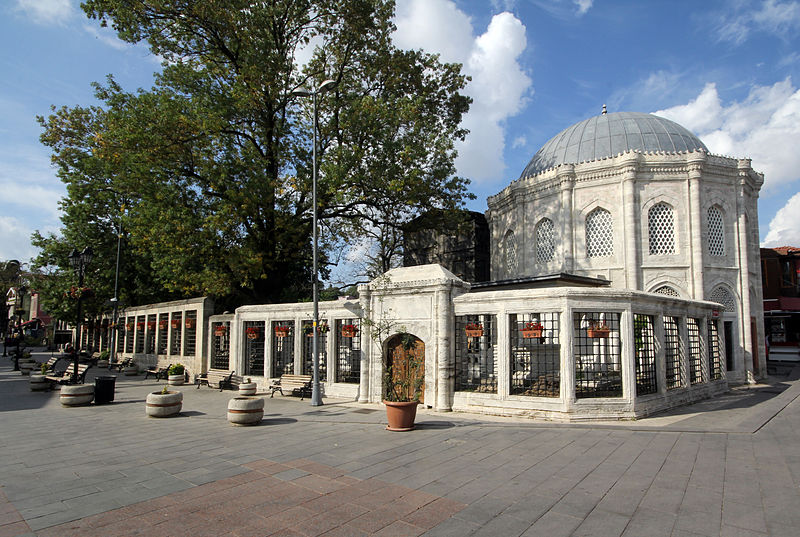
(604, 109)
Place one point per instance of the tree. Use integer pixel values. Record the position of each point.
(213, 162)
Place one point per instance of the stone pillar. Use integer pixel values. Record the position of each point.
(566, 176)
(630, 218)
(444, 318)
(695, 165)
(366, 344)
(743, 283)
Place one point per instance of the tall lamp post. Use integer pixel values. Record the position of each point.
(79, 262)
(115, 300)
(316, 396)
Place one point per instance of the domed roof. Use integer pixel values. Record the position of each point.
(610, 134)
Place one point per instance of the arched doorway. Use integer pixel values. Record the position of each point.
(405, 368)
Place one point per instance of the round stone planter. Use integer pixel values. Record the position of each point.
(245, 410)
(38, 383)
(248, 388)
(77, 394)
(163, 405)
(130, 371)
(176, 380)
(26, 366)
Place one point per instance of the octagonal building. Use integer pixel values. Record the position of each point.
(638, 200)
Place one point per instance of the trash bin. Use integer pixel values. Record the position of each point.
(104, 389)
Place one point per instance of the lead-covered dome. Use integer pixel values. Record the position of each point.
(610, 134)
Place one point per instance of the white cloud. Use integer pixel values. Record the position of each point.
(784, 229)
(15, 240)
(583, 5)
(499, 86)
(772, 16)
(107, 36)
(46, 11)
(765, 126)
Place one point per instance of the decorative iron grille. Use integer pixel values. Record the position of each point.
(322, 349)
(714, 356)
(661, 227)
(667, 290)
(120, 333)
(672, 353)
(140, 334)
(598, 362)
(476, 353)
(645, 348)
(545, 241)
(150, 337)
(724, 297)
(190, 333)
(599, 233)
(221, 348)
(282, 348)
(163, 327)
(130, 327)
(254, 348)
(535, 354)
(511, 253)
(348, 351)
(176, 328)
(716, 232)
(695, 351)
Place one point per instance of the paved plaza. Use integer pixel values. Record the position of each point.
(730, 466)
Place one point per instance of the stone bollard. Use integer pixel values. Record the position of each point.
(245, 410)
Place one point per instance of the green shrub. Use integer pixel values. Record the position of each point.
(177, 369)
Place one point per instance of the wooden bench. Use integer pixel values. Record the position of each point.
(294, 384)
(223, 379)
(66, 376)
(50, 364)
(158, 372)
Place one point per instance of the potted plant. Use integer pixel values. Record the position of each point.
(176, 375)
(349, 330)
(308, 329)
(38, 383)
(220, 330)
(402, 385)
(190, 322)
(282, 331)
(176, 324)
(533, 329)
(473, 330)
(164, 403)
(253, 332)
(162, 325)
(248, 387)
(598, 329)
(102, 361)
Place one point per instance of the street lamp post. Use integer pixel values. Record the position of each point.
(316, 396)
(21, 295)
(79, 262)
(115, 300)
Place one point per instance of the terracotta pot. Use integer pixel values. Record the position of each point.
(400, 415)
(474, 332)
(163, 405)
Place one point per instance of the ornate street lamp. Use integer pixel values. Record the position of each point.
(327, 85)
(18, 312)
(79, 262)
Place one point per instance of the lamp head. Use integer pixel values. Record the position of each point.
(301, 92)
(75, 259)
(327, 85)
(86, 255)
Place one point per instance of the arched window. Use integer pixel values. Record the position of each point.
(667, 290)
(599, 233)
(510, 252)
(716, 232)
(661, 226)
(545, 241)
(724, 297)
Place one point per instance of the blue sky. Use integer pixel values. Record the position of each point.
(727, 70)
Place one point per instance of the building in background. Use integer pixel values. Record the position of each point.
(780, 273)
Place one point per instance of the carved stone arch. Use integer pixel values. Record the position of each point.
(723, 294)
(662, 280)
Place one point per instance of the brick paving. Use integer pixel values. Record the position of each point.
(730, 466)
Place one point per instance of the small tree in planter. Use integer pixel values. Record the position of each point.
(176, 375)
(403, 379)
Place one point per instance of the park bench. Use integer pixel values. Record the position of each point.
(66, 376)
(50, 364)
(294, 384)
(158, 372)
(223, 379)
(119, 366)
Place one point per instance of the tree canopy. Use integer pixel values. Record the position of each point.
(213, 163)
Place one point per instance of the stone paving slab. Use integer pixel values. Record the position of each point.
(728, 466)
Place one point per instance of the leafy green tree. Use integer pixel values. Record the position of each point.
(214, 161)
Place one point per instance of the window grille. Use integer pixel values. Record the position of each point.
(348, 351)
(661, 226)
(220, 352)
(695, 352)
(476, 353)
(254, 348)
(672, 353)
(140, 321)
(308, 350)
(535, 354)
(599, 234)
(714, 357)
(645, 346)
(130, 327)
(163, 327)
(716, 232)
(190, 333)
(120, 333)
(150, 337)
(176, 328)
(598, 360)
(723, 296)
(511, 253)
(545, 241)
(667, 290)
(282, 348)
